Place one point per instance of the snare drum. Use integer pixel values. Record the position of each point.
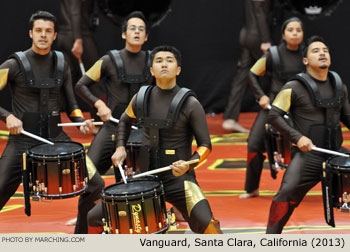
(133, 146)
(56, 171)
(137, 207)
(339, 169)
(278, 148)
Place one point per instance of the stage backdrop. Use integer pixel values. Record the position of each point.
(205, 31)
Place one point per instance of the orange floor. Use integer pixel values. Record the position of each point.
(221, 178)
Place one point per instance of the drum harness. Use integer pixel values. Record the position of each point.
(134, 81)
(44, 122)
(332, 131)
(155, 125)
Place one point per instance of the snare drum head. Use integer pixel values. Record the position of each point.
(58, 149)
(337, 161)
(134, 187)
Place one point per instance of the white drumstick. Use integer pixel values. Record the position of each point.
(162, 169)
(36, 137)
(115, 120)
(81, 65)
(122, 173)
(77, 124)
(329, 152)
(268, 107)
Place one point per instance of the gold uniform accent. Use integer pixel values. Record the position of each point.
(169, 152)
(193, 195)
(203, 152)
(91, 168)
(94, 73)
(283, 99)
(76, 113)
(3, 77)
(129, 111)
(259, 67)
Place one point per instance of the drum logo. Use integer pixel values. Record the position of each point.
(135, 211)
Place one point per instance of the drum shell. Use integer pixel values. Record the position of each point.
(57, 176)
(136, 213)
(339, 170)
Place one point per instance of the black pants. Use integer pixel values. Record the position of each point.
(11, 164)
(256, 148)
(184, 193)
(250, 53)
(303, 173)
(100, 153)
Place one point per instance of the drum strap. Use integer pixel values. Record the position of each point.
(154, 124)
(134, 81)
(314, 92)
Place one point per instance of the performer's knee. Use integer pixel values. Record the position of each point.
(200, 217)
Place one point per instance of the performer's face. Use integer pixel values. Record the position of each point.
(164, 66)
(318, 56)
(293, 34)
(135, 32)
(43, 34)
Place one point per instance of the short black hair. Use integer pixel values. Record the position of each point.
(47, 16)
(167, 48)
(134, 14)
(289, 20)
(311, 40)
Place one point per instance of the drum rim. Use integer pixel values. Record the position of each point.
(58, 196)
(68, 155)
(330, 166)
(133, 196)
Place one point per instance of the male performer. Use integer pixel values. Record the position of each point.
(41, 88)
(171, 116)
(125, 71)
(317, 101)
(254, 41)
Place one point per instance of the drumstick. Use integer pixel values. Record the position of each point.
(162, 169)
(36, 137)
(115, 120)
(81, 65)
(329, 152)
(77, 124)
(122, 173)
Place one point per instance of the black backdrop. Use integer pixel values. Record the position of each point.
(205, 31)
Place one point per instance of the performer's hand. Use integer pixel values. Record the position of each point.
(88, 127)
(102, 110)
(14, 124)
(264, 101)
(265, 46)
(119, 156)
(77, 48)
(179, 168)
(305, 144)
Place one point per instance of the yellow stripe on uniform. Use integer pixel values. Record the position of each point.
(91, 168)
(259, 67)
(94, 73)
(283, 99)
(76, 113)
(129, 111)
(203, 152)
(193, 195)
(3, 77)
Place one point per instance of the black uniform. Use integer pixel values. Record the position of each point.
(280, 67)
(122, 84)
(73, 23)
(171, 142)
(254, 32)
(38, 117)
(316, 117)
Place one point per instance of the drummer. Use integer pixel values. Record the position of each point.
(317, 101)
(167, 139)
(35, 109)
(280, 63)
(125, 71)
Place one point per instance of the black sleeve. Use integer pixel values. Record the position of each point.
(75, 10)
(124, 126)
(345, 112)
(262, 20)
